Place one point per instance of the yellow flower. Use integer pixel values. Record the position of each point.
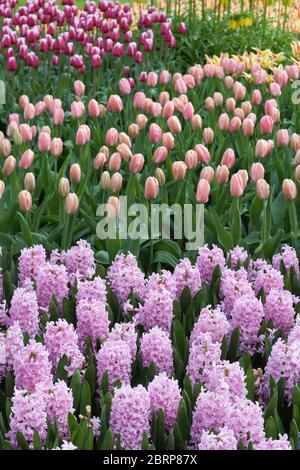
(233, 24)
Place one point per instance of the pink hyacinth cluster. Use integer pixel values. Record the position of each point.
(114, 359)
(212, 321)
(279, 307)
(13, 343)
(60, 340)
(288, 257)
(222, 440)
(125, 277)
(237, 257)
(51, 281)
(157, 310)
(186, 275)
(130, 414)
(247, 315)
(24, 309)
(233, 285)
(79, 261)
(125, 332)
(59, 403)
(156, 348)
(165, 395)
(30, 261)
(91, 290)
(208, 260)
(92, 322)
(203, 354)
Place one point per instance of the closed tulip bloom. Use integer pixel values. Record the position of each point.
(29, 182)
(17, 138)
(207, 173)
(58, 117)
(104, 149)
(79, 88)
(203, 190)
(188, 111)
(164, 97)
(261, 148)
(137, 163)
(81, 137)
(133, 130)
(99, 161)
(71, 204)
(124, 139)
(196, 122)
(12, 126)
(262, 189)
(239, 91)
(160, 176)
(164, 77)
(256, 98)
(218, 98)
(23, 101)
(209, 104)
(139, 100)
(156, 109)
(48, 100)
(202, 153)
(160, 154)
(2, 188)
(63, 187)
(141, 121)
(234, 124)
(39, 108)
(114, 104)
(275, 114)
(56, 147)
(102, 110)
(174, 124)
(26, 159)
(124, 151)
(124, 86)
(257, 171)
(116, 182)
(151, 188)
(29, 112)
(75, 173)
(295, 142)
(178, 104)
(239, 113)
(248, 127)
(237, 185)
(152, 79)
(147, 105)
(230, 105)
(93, 108)
(223, 122)
(155, 133)
(208, 135)
(5, 148)
(228, 158)
(168, 109)
(77, 109)
(275, 89)
(289, 189)
(113, 207)
(25, 200)
(228, 81)
(266, 124)
(246, 107)
(44, 142)
(180, 86)
(191, 159)
(9, 165)
(244, 175)
(168, 140)
(178, 170)
(283, 137)
(46, 129)
(115, 161)
(105, 180)
(222, 174)
(270, 147)
(26, 132)
(112, 137)
(297, 172)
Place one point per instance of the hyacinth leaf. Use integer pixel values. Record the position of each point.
(185, 299)
(8, 406)
(250, 383)
(236, 223)
(1, 440)
(89, 441)
(279, 423)
(6, 446)
(165, 258)
(22, 443)
(119, 443)
(53, 310)
(246, 361)
(85, 397)
(196, 391)
(9, 384)
(177, 310)
(159, 441)
(61, 373)
(294, 282)
(272, 405)
(108, 441)
(281, 393)
(76, 388)
(103, 423)
(294, 433)
(179, 442)
(188, 387)
(271, 428)
(183, 421)
(91, 377)
(272, 243)
(2, 424)
(233, 345)
(240, 445)
(171, 441)
(296, 414)
(188, 404)
(145, 442)
(72, 423)
(37, 443)
(104, 384)
(180, 341)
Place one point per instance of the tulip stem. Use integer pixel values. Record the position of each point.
(293, 221)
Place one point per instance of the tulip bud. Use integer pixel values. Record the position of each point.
(29, 182)
(116, 182)
(191, 159)
(9, 165)
(289, 189)
(160, 176)
(133, 130)
(71, 204)
(223, 122)
(228, 158)
(137, 163)
(297, 157)
(261, 148)
(99, 161)
(63, 187)
(115, 104)
(257, 171)
(283, 137)
(112, 137)
(222, 174)
(196, 122)
(266, 124)
(202, 153)
(44, 142)
(168, 140)
(5, 147)
(25, 200)
(115, 161)
(295, 142)
(244, 176)
(2, 188)
(236, 185)
(208, 135)
(26, 159)
(174, 124)
(141, 121)
(105, 150)
(160, 154)
(262, 189)
(105, 180)
(297, 172)
(203, 190)
(151, 188)
(79, 88)
(207, 173)
(178, 170)
(75, 173)
(124, 151)
(113, 207)
(248, 127)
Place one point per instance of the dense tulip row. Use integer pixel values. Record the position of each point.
(208, 354)
(207, 137)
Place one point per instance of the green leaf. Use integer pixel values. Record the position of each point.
(85, 397)
(160, 431)
(294, 433)
(233, 345)
(179, 442)
(183, 421)
(22, 443)
(76, 388)
(271, 428)
(108, 441)
(37, 443)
